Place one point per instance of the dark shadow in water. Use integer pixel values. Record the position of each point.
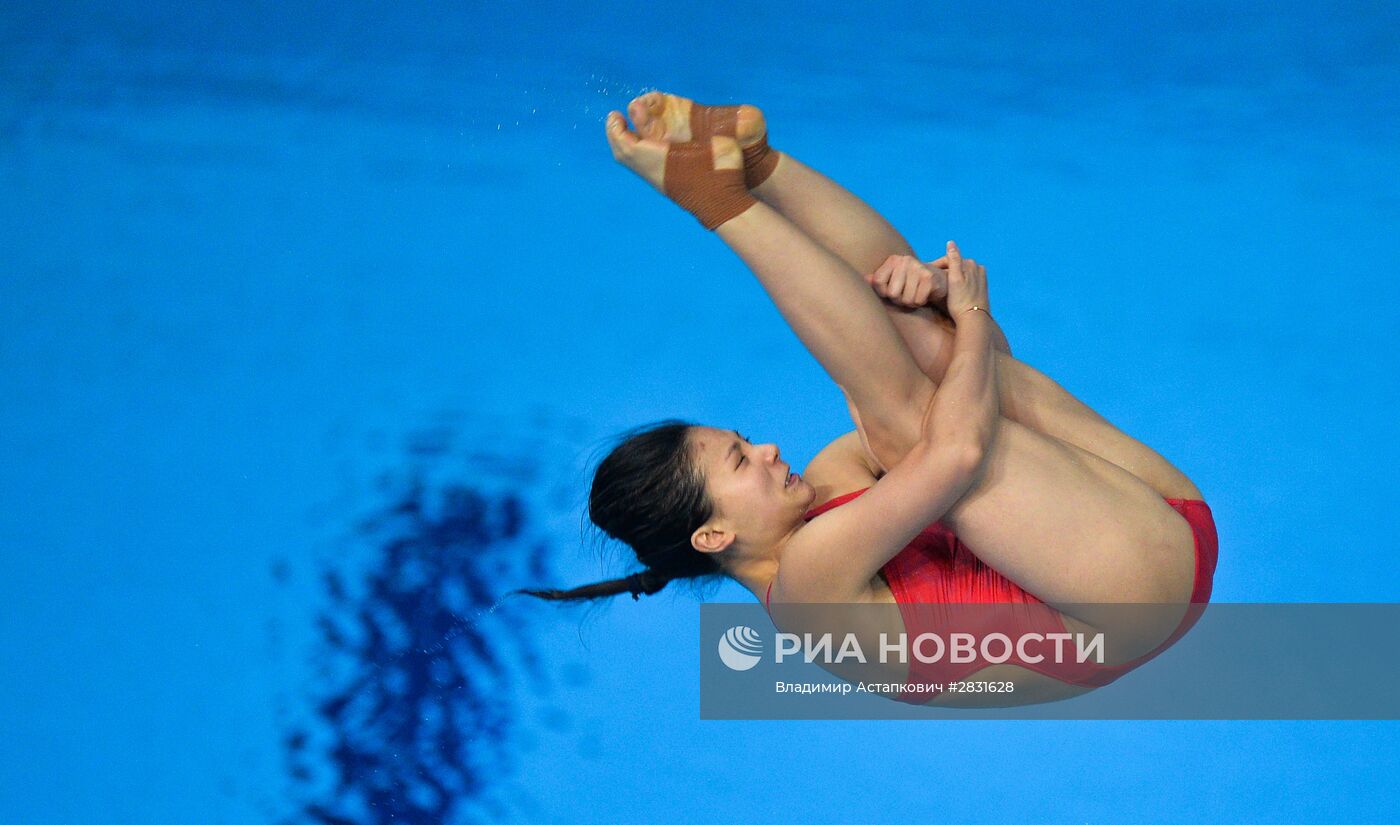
(422, 684)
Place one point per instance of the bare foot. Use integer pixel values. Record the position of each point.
(663, 117)
(647, 156)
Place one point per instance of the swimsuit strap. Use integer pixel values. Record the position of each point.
(811, 514)
(835, 502)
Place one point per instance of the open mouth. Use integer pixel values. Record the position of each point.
(791, 480)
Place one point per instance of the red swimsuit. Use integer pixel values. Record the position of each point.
(936, 568)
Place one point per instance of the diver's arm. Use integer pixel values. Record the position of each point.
(917, 324)
(929, 337)
(969, 387)
(966, 407)
(836, 556)
(932, 341)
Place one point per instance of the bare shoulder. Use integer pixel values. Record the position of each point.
(841, 467)
(839, 553)
(836, 556)
(811, 571)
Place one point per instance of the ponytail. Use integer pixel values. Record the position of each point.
(645, 581)
(648, 493)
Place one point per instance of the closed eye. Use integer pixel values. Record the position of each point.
(741, 454)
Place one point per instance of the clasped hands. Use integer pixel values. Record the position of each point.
(907, 282)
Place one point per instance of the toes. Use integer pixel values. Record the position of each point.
(643, 110)
(620, 138)
(749, 125)
(637, 111)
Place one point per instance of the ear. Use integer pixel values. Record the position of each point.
(711, 539)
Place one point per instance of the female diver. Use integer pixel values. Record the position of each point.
(970, 477)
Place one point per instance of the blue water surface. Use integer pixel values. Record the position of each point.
(271, 269)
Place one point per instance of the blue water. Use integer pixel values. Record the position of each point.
(265, 267)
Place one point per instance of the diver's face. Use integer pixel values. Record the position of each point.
(754, 491)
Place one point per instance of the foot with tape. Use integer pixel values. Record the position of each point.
(675, 119)
(704, 176)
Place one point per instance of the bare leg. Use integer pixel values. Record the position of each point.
(1084, 530)
(832, 215)
(1065, 524)
(840, 321)
(834, 314)
(855, 232)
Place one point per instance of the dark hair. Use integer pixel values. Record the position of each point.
(649, 494)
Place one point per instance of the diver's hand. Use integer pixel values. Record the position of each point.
(967, 283)
(906, 281)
